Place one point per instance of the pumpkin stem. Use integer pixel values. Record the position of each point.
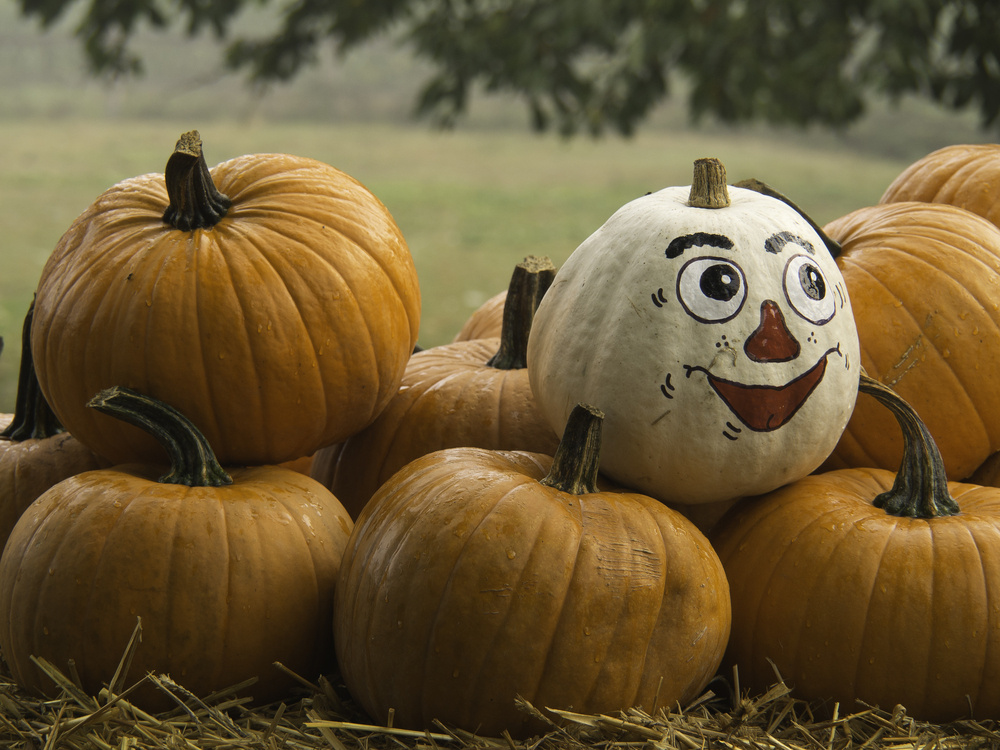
(195, 202)
(33, 417)
(708, 188)
(531, 279)
(578, 455)
(192, 461)
(921, 486)
(759, 187)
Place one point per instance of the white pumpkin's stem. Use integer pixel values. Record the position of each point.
(708, 187)
(921, 486)
(192, 461)
(578, 455)
(195, 202)
(531, 279)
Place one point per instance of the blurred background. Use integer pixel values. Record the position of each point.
(472, 200)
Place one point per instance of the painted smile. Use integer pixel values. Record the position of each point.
(764, 408)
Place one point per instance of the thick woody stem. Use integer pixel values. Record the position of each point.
(578, 455)
(195, 202)
(531, 279)
(708, 188)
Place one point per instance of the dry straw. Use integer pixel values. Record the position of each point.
(321, 715)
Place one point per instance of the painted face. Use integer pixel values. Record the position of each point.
(720, 344)
(713, 288)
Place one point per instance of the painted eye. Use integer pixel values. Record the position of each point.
(712, 290)
(807, 290)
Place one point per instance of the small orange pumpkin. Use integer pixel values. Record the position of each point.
(206, 289)
(228, 572)
(865, 584)
(474, 576)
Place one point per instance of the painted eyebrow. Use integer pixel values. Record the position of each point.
(679, 244)
(776, 242)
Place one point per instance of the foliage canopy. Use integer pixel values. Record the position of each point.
(598, 65)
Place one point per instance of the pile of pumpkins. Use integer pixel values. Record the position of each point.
(718, 436)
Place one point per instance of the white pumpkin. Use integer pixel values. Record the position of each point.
(718, 341)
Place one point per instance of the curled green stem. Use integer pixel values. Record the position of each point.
(920, 489)
(192, 461)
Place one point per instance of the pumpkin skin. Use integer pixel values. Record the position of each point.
(468, 581)
(706, 400)
(849, 602)
(924, 279)
(963, 175)
(449, 398)
(306, 282)
(302, 465)
(35, 451)
(29, 467)
(486, 320)
(988, 473)
(832, 610)
(225, 579)
(471, 393)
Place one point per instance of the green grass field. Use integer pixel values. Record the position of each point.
(471, 203)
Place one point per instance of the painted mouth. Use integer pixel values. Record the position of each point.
(764, 408)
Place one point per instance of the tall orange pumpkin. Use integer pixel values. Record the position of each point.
(924, 280)
(273, 300)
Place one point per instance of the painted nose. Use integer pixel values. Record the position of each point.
(772, 341)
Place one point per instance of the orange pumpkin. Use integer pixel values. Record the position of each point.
(470, 393)
(227, 572)
(865, 584)
(35, 451)
(486, 320)
(963, 175)
(924, 280)
(474, 577)
(272, 300)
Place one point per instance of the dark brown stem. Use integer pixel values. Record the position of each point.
(921, 486)
(531, 279)
(578, 455)
(708, 187)
(192, 461)
(759, 187)
(33, 417)
(195, 202)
